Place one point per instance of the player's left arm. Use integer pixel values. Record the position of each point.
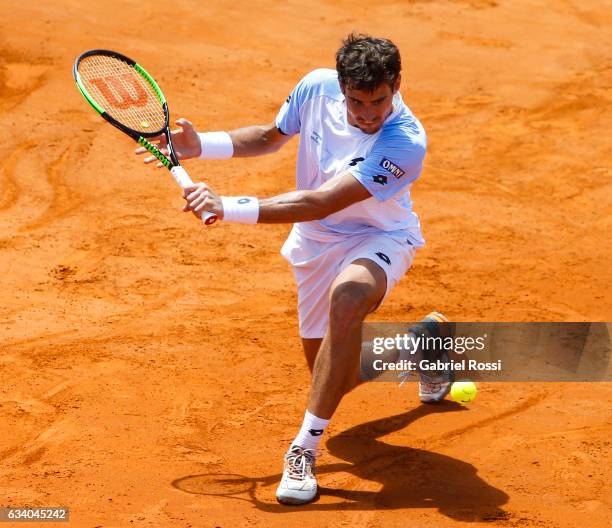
(298, 206)
(394, 162)
(303, 206)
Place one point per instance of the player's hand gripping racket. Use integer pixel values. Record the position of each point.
(124, 94)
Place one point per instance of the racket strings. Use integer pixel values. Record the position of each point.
(123, 93)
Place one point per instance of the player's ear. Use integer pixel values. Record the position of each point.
(398, 81)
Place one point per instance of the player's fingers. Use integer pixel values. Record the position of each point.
(189, 189)
(200, 208)
(152, 159)
(197, 194)
(190, 196)
(158, 139)
(193, 189)
(184, 123)
(198, 202)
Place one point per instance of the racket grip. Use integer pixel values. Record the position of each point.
(183, 179)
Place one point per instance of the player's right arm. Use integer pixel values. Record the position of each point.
(255, 140)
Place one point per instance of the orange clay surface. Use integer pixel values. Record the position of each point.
(151, 370)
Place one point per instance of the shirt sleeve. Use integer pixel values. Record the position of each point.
(288, 119)
(395, 161)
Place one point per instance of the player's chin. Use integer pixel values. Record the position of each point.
(369, 129)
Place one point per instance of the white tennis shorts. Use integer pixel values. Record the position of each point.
(316, 263)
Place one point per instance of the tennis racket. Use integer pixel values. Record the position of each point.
(124, 94)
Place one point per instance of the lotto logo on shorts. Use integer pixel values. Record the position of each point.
(391, 167)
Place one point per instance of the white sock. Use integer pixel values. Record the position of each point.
(311, 432)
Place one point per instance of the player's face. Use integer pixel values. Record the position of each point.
(368, 110)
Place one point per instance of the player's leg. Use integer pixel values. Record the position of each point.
(318, 268)
(433, 386)
(357, 290)
(311, 349)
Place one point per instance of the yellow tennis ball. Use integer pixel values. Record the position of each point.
(463, 392)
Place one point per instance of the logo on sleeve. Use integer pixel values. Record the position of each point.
(380, 179)
(383, 257)
(391, 167)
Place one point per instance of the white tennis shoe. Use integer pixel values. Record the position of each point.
(299, 483)
(434, 390)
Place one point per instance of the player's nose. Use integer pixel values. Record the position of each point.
(369, 115)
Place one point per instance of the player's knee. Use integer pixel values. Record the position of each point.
(349, 304)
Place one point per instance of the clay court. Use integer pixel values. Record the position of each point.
(152, 373)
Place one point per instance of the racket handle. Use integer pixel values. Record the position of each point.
(183, 179)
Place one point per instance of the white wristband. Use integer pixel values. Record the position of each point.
(216, 145)
(241, 209)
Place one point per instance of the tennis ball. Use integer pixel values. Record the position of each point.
(463, 392)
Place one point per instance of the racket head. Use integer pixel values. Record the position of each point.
(122, 92)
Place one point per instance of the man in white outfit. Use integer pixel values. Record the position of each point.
(354, 232)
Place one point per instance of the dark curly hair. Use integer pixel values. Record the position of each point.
(364, 62)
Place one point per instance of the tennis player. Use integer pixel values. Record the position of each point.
(354, 231)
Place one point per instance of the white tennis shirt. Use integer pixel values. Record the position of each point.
(385, 163)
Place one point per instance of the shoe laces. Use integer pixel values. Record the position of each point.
(299, 462)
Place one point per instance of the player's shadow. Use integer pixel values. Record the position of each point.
(407, 477)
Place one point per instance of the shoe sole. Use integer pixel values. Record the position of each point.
(291, 501)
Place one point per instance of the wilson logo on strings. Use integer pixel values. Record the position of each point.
(121, 91)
